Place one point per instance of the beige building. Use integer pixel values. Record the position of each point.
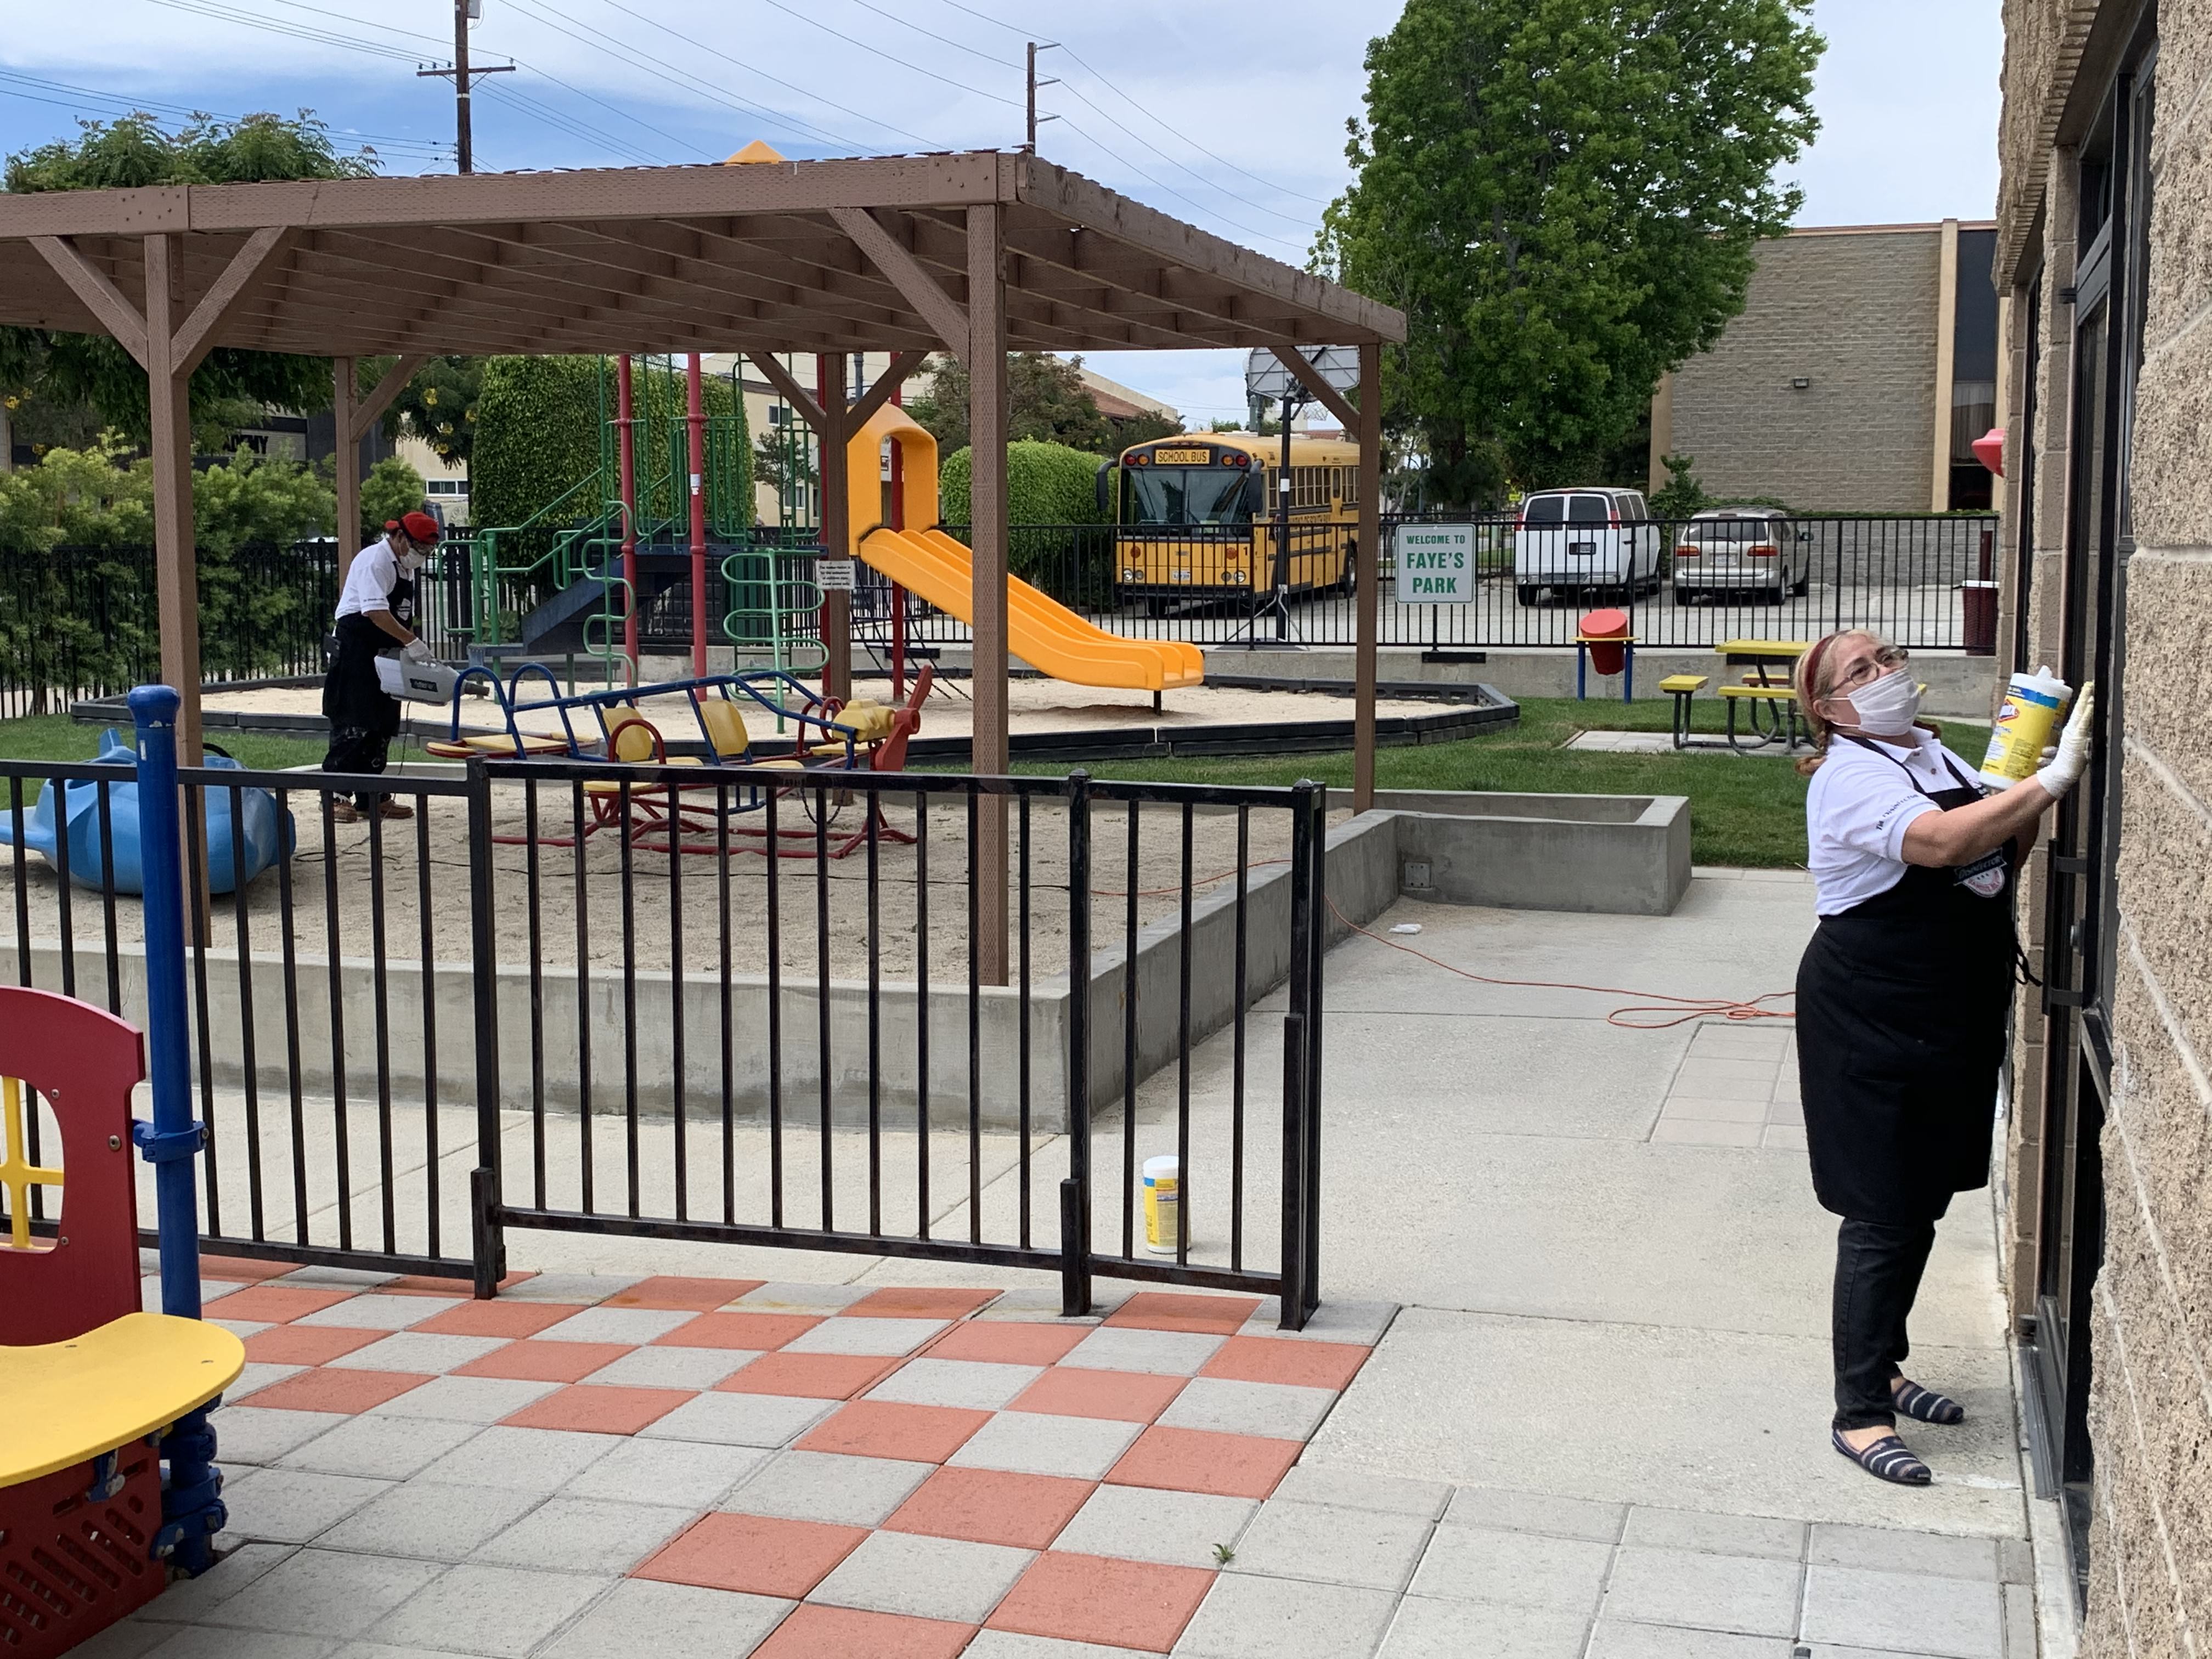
(1860, 372)
(2105, 219)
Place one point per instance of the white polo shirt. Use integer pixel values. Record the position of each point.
(368, 582)
(1858, 809)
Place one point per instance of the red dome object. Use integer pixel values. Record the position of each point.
(1603, 625)
(1989, 450)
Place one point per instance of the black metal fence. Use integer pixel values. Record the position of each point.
(1899, 573)
(85, 622)
(747, 1008)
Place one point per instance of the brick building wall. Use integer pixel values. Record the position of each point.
(1852, 312)
(2150, 1408)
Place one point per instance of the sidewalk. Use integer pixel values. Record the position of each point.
(1592, 1425)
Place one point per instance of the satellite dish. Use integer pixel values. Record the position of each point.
(1266, 377)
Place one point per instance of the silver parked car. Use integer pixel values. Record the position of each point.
(1742, 552)
(1584, 540)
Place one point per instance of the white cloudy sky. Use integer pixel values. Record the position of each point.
(1212, 116)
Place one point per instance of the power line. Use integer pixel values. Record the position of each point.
(915, 69)
(1265, 236)
(377, 49)
(1169, 127)
(621, 52)
(160, 107)
(875, 121)
(1259, 207)
(944, 39)
(297, 31)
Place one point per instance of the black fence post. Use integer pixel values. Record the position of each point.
(1299, 1231)
(1075, 1191)
(1313, 813)
(487, 1237)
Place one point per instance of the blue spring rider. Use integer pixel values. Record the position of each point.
(268, 835)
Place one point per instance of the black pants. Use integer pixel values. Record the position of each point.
(358, 748)
(1878, 1269)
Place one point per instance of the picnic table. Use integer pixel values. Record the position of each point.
(1763, 686)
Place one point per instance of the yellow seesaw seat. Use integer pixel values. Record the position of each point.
(69, 1401)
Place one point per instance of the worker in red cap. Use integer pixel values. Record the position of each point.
(376, 612)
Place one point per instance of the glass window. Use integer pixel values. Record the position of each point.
(1589, 509)
(1189, 495)
(1545, 509)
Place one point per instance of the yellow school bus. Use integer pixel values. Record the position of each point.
(1199, 516)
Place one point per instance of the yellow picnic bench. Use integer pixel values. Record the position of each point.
(1762, 687)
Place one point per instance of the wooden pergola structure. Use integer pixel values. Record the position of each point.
(975, 253)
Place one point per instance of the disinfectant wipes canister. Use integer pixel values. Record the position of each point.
(2032, 706)
(1163, 1205)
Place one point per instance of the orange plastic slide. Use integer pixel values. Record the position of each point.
(1042, 632)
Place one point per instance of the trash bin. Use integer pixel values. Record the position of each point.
(1980, 600)
(1599, 627)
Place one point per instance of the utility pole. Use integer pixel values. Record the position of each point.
(1029, 147)
(464, 149)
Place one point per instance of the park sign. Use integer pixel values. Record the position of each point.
(1436, 563)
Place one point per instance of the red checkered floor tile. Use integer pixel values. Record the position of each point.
(917, 1458)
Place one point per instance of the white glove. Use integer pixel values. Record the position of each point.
(415, 650)
(2071, 756)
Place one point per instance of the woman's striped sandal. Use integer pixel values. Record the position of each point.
(1925, 1404)
(1888, 1459)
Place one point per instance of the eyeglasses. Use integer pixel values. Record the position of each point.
(1872, 668)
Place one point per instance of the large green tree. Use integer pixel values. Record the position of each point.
(1563, 196)
(60, 370)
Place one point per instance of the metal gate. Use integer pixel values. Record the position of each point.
(760, 1008)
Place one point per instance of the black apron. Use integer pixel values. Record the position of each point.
(354, 699)
(1901, 1008)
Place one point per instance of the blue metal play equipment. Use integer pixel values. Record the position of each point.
(73, 809)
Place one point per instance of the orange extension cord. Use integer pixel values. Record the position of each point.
(1682, 1009)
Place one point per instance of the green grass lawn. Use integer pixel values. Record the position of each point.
(59, 738)
(1744, 810)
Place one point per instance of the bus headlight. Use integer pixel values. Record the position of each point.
(1132, 576)
(1240, 578)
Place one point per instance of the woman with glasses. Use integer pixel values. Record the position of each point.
(1902, 998)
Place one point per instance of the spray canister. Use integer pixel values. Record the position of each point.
(2032, 707)
(1163, 1205)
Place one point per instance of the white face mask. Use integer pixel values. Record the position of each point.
(1887, 704)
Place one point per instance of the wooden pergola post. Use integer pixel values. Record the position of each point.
(1366, 421)
(986, 437)
(176, 558)
(836, 432)
(352, 416)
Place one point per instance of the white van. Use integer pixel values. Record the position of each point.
(1584, 540)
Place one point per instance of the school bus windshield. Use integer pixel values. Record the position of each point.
(1183, 496)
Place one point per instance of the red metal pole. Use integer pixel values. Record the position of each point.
(897, 521)
(695, 418)
(626, 449)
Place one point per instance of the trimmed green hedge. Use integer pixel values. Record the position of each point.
(1045, 484)
(537, 436)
